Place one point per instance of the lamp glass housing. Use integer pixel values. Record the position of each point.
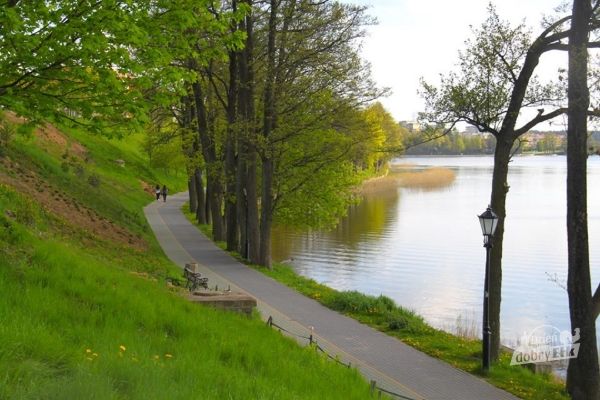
(489, 222)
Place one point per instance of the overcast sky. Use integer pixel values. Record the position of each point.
(419, 38)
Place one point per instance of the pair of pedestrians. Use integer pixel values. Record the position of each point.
(160, 192)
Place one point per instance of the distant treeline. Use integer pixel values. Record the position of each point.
(456, 143)
(451, 144)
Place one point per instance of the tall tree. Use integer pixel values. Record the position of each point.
(246, 185)
(583, 375)
(266, 217)
(311, 71)
(495, 82)
(230, 150)
(198, 35)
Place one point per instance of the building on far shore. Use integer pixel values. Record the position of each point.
(411, 126)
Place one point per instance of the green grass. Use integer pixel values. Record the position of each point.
(119, 193)
(384, 315)
(82, 317)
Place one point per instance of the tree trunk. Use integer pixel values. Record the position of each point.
(216, 202)
(214, 196)
(230, 162)
(201, 207)
(241, 204)
(207, 203)
(252, 204)
(596, 301)
(247, 113)
(192, 194)
(231, 200)
(498, 203)
(231, 221)
(583, 375)
(190, 151)
(266, 216)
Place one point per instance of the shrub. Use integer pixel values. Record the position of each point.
(64, 166)
(7, 131)
(23, 209)
(78, 169)
(94, 180)
(397, 322)
(353, 301)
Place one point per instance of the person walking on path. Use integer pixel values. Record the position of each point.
(164, 192)
(157, 191)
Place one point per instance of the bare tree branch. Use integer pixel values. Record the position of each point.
(541, 117)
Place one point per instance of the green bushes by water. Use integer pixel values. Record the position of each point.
(353, 302)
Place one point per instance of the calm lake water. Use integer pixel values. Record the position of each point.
(424, 248)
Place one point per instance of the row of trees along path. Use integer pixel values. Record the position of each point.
(265, 100)
(278, 127)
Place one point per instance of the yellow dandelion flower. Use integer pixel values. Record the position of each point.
(95, 354)
(168, 355)
(122, 348)
(88, 350)
(156, 357)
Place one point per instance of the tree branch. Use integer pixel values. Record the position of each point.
(565, 47)
(507, 65)
(541, 117)
(554, 26)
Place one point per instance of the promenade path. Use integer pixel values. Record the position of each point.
(392, 364)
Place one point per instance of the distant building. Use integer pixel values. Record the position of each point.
(412, 126)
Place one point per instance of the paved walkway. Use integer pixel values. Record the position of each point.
(392, 364)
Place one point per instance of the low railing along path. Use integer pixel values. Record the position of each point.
(393, 365)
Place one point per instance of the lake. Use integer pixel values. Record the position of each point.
(424, 248)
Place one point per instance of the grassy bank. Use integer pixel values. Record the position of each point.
(85, 311)
(383, 314)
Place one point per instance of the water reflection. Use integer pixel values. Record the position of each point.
(361, 228)
(424, 248)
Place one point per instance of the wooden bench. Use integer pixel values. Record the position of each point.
(194, 279)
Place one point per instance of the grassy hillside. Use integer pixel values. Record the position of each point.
(85, 312)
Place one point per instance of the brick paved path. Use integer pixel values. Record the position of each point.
(392, 364)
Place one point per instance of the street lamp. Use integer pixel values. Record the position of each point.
(488, 221)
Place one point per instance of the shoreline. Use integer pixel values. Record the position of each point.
(382, 314)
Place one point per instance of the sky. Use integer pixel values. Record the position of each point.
(419, 38)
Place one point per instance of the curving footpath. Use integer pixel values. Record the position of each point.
(395, 367)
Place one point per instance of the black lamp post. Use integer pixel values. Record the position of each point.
(488, 221)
